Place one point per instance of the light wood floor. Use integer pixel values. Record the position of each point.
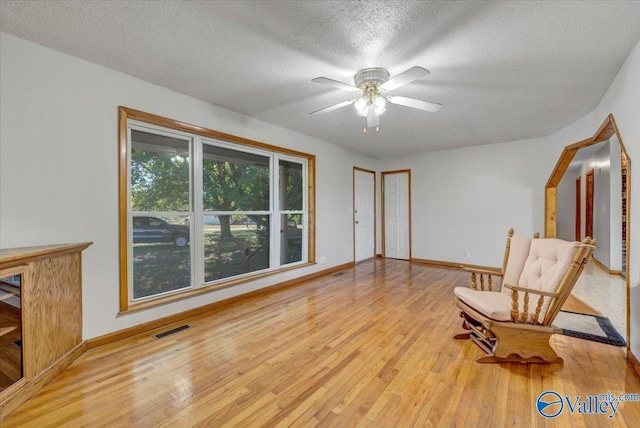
(369, 347)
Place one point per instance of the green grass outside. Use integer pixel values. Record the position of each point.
(162, 267)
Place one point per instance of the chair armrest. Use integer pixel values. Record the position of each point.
(482, 272)
(530, 290)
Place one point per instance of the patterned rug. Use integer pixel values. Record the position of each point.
(589, 327)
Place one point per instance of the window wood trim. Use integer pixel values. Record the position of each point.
(124, 115)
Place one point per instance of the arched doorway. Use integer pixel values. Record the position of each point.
(607, 130)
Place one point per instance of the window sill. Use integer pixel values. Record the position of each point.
(180, 295)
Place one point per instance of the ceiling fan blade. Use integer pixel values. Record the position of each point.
(372, 119)
(414, 73)
(334, 107)
(413, 103)
(335, 84)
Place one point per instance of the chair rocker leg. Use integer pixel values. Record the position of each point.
(521, 346)
(466, 334)
(462, 336)
(510, 343)
(513, 358)
(490, 358)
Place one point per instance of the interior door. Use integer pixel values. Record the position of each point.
(364, 214)
(588, 221)
(397, 217)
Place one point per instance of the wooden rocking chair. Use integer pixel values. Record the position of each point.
(502, 323)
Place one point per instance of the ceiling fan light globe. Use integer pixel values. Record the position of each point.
(362, 106)
(379, 105)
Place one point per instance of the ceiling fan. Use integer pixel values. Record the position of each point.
(373, 83)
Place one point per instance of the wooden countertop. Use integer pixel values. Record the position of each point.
(10, 257)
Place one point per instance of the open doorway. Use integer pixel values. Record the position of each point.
(595, 174)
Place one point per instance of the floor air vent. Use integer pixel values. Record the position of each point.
(172, 331)
(339, 274)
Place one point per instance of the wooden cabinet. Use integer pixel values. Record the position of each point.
(51, 315)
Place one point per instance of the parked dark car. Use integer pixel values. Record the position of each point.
(154, 229)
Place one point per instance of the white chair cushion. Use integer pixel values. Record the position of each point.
(518, 253)
(492, 304)
(547, 264)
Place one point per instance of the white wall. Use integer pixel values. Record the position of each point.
(566, 207)
(58, 169)
(467, 199)
(600, 163)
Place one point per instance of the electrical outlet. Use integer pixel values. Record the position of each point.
(467, 254)
(322, 260)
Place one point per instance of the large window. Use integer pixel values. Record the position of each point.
(202, 210)
(160, 208)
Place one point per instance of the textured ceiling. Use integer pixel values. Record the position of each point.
(503, 71)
